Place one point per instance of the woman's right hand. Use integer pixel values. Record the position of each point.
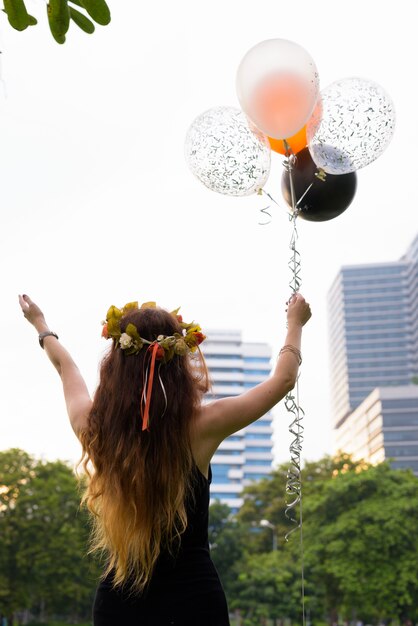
(298, 310)
(32, 313)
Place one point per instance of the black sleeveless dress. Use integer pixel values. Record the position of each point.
(184, 591)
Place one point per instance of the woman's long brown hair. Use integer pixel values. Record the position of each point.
(139, 481)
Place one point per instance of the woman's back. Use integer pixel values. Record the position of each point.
(185, 589)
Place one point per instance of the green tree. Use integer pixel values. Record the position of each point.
(360, 535)
(361, 539)
(60, 15)
(44, 534)
(17, 468)
(53, 539)
(227, 539)
(266, 499)
(267, 586)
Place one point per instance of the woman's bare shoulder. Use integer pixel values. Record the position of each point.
(203, 445)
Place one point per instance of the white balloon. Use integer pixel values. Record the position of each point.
(226, 154)
(356, 126)
(277, 87)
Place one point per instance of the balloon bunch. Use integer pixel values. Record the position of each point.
(325, 136)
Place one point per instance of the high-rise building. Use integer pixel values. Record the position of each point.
(384, 426)
(234, 367)
(373, 330)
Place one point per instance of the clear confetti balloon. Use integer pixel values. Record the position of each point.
(356, 126)
(226, 154)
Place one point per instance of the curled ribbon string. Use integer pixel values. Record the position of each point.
(266, 210)
(294, 483)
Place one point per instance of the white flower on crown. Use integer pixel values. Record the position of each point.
(125, 341)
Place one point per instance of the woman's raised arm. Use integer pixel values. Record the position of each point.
(77, 397)
(221, 418)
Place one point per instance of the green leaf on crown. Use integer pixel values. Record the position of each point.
(132, 331)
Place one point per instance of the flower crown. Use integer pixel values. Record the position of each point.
(131, 342)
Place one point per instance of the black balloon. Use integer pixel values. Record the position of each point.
(327, 195)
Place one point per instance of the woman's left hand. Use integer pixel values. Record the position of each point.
(32, 312)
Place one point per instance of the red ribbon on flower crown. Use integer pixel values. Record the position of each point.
(154, 348)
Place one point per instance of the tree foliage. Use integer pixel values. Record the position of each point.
(43, 540)
(362, 543)
(60, 14)
(360, 536)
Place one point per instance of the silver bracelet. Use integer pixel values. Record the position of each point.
(289, 348)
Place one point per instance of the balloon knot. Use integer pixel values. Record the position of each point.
(321, 174)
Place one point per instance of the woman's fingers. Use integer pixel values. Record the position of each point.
(298, 308)
(30, 310)
(23, 303)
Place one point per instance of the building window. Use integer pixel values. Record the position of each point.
(249, 476)
(378, 363)
(217, 495)
(220, 472)
(401, 403)
(373, 271)
(224, 451)
(375, 354)
(385, 345)
(401, 435)
(227, 383)
(223, 357)
(413, 465)
(392, 451)
(258, 462)
(401, 419)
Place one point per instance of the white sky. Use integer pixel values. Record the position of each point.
(98, 206)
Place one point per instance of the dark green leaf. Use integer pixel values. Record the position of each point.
(59, 19)
(82, 21)
(98, 11)
(32, 20)
(58, 16)
(17, 14)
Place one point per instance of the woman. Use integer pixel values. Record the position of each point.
(147, 442)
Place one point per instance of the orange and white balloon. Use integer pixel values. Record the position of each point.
(277, 87)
